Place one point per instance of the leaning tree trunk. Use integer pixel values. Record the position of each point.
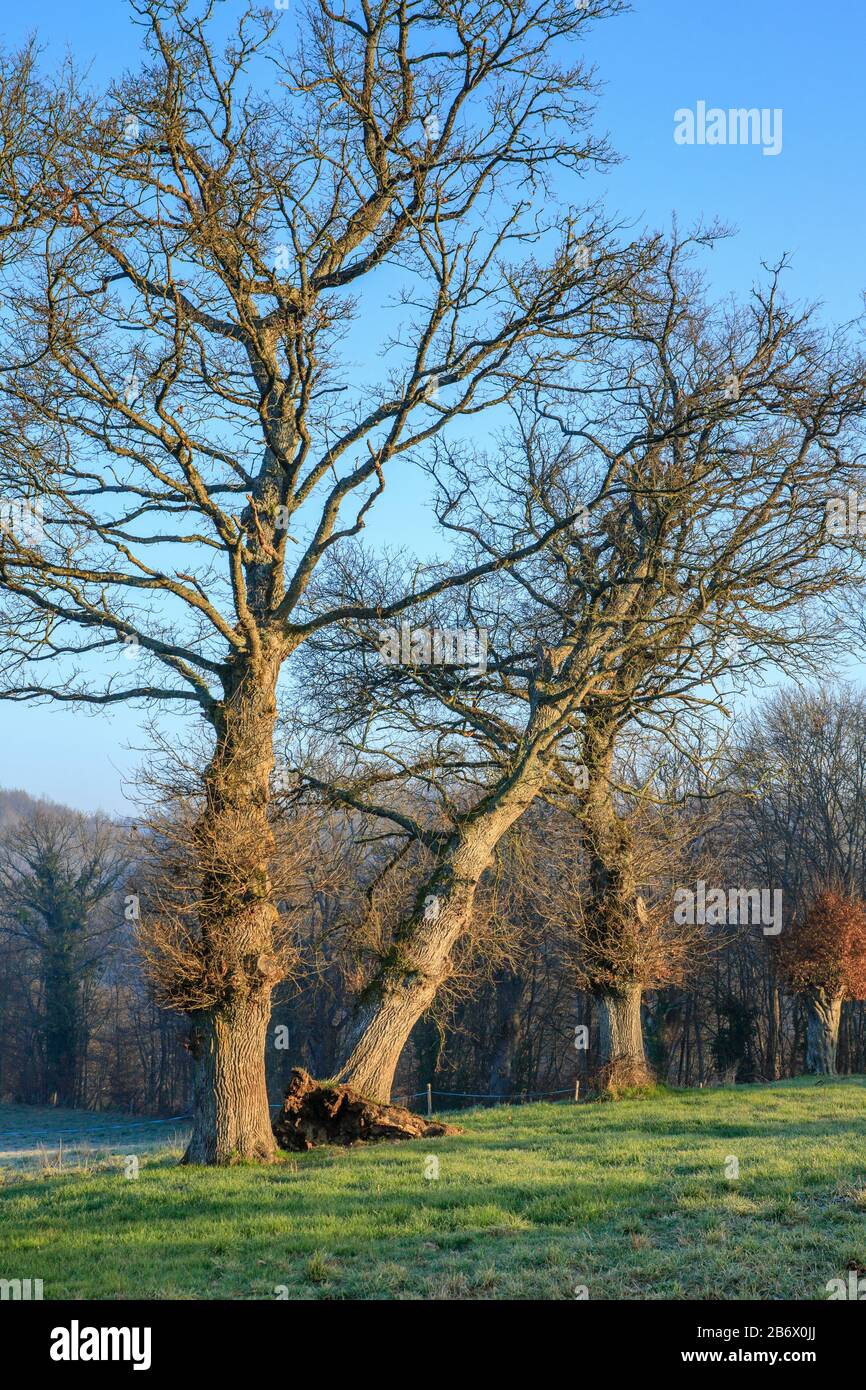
(823, 1016)
(234, 847)
(405, 986)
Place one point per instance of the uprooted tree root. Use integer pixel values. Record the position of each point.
(314, 1114)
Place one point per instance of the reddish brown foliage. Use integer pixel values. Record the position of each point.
(827, 948)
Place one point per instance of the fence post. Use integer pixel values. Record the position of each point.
(429, 1099)
(576, 1090)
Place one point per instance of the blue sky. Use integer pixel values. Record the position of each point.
(808, 201)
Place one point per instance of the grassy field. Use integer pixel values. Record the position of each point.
(626, 1200)
(53, 1139)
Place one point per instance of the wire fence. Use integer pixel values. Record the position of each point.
(494, 1097)
(428, 1095)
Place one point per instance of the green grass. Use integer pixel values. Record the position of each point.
(630, 1200)
(49, 1137)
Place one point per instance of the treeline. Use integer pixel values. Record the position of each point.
(78, 1027)
(762, 997)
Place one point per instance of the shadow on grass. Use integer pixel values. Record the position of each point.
(612, 1185)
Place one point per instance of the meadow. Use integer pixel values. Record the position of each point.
(638, 1199)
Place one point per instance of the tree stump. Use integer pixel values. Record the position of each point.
(314, 1114)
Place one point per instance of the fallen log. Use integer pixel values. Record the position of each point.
(314, 1113)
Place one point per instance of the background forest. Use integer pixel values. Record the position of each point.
(79, 1027)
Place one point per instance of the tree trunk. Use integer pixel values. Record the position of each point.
(62, 1017)
(234, 847)
(618, 935)
(406, 984)
(823, 1015)
(402, 992)
(619, 1026)
(231, 1115)
(509, 992)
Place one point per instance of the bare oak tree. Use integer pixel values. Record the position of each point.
(186, 433)
(704, 444)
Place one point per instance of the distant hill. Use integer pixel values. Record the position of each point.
(15, 803)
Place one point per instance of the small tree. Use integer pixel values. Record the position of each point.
(57, 873)
(824, 960)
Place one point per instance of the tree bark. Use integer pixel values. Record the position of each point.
(418, 963)
(616, 930)
(619, 1026)
(823, 1016)
(405, 987)
(231, 1116)
(509, 992)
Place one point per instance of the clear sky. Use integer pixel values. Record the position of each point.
(809, 200)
